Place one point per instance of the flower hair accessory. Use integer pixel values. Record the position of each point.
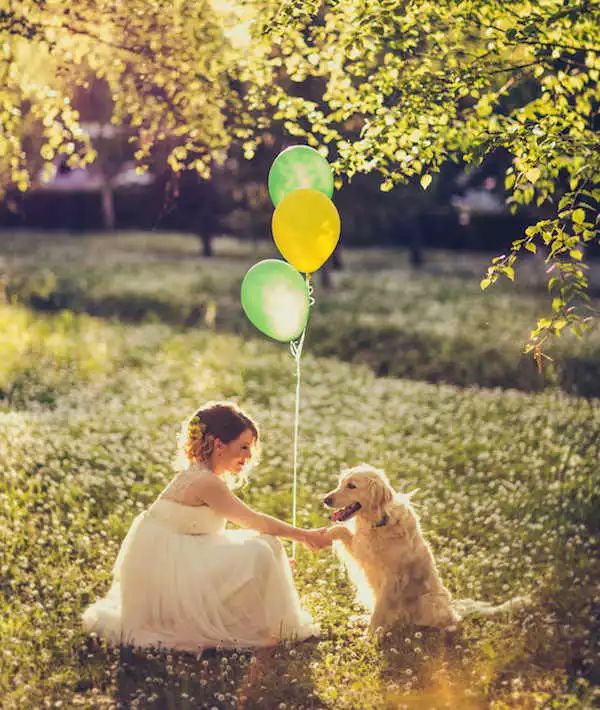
(196, 428)
(198, 445)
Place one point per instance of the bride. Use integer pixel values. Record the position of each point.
(180, 579)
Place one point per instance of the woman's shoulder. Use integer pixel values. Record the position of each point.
(207, 490)
(192, 485)
(198, 473)
(201, 477)
(186, 478)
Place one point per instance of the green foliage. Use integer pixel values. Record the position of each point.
(393, 87)
(176, 72)
(412, 85)
(508, 498)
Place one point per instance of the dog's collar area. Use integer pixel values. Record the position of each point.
(382, 522)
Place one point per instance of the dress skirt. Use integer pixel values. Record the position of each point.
(195, 590)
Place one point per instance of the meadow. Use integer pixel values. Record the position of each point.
(434, 324)
(89, 409)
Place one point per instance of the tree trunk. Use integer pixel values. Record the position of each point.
(108, 206)
(337, 262)
(207, 248)
(415, 244)
(325, 272)
(334, 263)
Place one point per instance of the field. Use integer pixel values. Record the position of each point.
(434, 325)
(508, 477)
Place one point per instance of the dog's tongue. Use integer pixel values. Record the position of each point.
(337, 515)
(345, 513)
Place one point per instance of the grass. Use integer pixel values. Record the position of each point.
(434, 325)
(509, 501)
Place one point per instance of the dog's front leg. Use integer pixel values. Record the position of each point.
(341, 532)
(380, 616)
(386, 609)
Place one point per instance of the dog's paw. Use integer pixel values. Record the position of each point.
(378, 632)
(339, 532)
(377, 628)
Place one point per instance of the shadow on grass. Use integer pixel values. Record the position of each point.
(464, 357)
(143, 678)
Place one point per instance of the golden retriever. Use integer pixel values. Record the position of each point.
(402, 580)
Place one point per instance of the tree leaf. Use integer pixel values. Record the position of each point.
(559, 324)
(533, 174)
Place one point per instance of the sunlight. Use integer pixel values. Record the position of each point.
(236, 22)
(285, 309)
(442, 693)
(362, 589)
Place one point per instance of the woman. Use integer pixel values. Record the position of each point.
(180, 579)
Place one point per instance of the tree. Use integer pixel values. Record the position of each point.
(393, 86)
(411, 85)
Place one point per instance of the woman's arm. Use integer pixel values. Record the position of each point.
(213, 491)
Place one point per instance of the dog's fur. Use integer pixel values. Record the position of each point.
(396, 560)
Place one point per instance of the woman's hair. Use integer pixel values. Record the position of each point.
(215, 420)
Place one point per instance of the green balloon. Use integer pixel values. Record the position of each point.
(296, 167)
(275, 299)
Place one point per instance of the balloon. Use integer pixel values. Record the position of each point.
(306, 228)
(299, 167)
(275, 299)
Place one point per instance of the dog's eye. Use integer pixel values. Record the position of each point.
(350, 485)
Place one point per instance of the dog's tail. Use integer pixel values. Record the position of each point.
(472, 607)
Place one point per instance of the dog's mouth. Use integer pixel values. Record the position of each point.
(342, 514)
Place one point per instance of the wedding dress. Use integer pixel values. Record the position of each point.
(182, 581)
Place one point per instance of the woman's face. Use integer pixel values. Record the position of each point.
(233, 456)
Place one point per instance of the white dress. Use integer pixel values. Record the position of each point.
(182, 581)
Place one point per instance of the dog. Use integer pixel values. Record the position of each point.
(395, 572)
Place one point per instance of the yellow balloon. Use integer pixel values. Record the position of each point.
(306, 228)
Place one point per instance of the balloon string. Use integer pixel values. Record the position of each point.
(296, 350)
(311, 290)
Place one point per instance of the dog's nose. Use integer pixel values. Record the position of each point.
(328, 500)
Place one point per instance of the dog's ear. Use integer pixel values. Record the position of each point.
(380, 496)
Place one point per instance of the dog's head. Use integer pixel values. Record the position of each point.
(363, 488)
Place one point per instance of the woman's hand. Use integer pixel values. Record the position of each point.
(316, 539)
